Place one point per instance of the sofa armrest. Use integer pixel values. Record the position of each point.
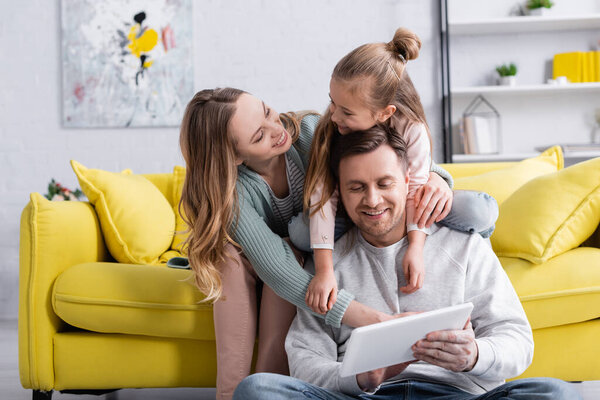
(54, 236)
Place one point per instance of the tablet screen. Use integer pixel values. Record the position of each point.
(388, 343)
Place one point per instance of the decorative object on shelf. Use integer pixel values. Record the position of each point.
(480, 129)
(559, 81)
(577, 66)
(57, 192)
(126, 64)
(508, 74)
(539, 7)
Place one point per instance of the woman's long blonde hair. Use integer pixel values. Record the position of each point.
(209, 198)
(376, 73)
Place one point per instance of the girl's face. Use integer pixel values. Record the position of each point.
(349, 113)
(257, 131)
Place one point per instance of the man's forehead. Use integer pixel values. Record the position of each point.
(377, 164)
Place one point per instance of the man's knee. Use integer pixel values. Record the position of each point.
(254, 386)
(558, 389)
(251, 386)
(549, 388)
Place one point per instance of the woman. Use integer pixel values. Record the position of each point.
(245, 175)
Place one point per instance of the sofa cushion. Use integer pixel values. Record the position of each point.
(137, 221)
(501, 183)
(132, 299)
(564, 290)
(550, 214)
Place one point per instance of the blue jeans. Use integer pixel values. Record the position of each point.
(280, 387)
(473, 212)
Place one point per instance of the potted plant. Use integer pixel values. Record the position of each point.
(508, 74)
(539, 7)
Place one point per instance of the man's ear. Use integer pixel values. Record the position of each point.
(386, 113)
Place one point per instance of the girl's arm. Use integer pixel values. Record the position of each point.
(322, 291)
(418, 153)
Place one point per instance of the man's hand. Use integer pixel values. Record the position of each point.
(433, 201)
(453, 350)
(321, 294)
(368, 381)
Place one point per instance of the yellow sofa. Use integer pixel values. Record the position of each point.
(87, 322)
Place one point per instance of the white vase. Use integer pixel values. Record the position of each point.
(507, 80)
(540, 12)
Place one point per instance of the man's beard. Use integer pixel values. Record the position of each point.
(382, 228)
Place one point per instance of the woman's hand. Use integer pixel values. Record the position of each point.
(321, 294)
(433, 200)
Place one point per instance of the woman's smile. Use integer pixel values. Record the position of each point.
(282, 139)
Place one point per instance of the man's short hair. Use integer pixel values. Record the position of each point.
(361, 142)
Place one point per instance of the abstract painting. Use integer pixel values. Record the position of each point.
(126, 63)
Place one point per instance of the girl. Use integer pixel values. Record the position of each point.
(370, 86)
(244, 181)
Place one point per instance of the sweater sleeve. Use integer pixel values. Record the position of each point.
(503, 334)
(275, 263)
(313, 353)
(322, 222)
(418, 152)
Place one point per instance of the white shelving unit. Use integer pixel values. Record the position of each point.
(524, 24)
(491, 157)
(532, 113)
(572, 156)
(527, 89)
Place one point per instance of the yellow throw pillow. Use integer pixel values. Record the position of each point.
(550, 214)
(501, 183)
(180, 225)
(137, 221)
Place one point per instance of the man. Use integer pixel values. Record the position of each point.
(471, 363)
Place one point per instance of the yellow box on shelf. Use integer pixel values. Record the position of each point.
(569, 65)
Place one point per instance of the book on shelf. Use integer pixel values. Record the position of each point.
(479, 135)
(577, 66)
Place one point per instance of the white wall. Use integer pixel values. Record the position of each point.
(281, 51)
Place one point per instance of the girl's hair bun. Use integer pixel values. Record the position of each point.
(405, 43)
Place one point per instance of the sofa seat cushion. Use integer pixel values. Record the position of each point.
(132, 299)
(563, 290)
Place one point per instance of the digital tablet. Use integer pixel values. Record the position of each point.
(388, 343)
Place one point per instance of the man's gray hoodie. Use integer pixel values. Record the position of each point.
(458, 268)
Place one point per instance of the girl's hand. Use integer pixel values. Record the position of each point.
(414, 269)
(321, 294)
(433, 201)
